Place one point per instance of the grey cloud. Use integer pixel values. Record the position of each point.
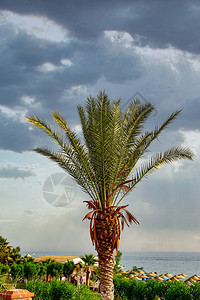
(15, 135)
(162, 202)
(10, 171)
(30, 212)
(95, 61)
(22, 55)
(191, 114)
(159, 23)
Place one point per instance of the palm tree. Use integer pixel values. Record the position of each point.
(107, 165)
(47, 262)
(5, 250)
(89, 261)
(8, 254)
(68, 268)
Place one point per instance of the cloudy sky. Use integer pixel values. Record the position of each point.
(56, 53)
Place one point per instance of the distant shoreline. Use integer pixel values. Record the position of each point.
(57, 258)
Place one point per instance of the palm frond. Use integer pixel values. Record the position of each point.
(141, 146)
(157, 161)
(114, 144)
(46, 128)
(71, 166)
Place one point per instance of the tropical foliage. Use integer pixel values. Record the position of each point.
(131, 289)
(68, 268)
(117, 266)
(89, 261)
(113, 158)
(8, 253)
(60, 291)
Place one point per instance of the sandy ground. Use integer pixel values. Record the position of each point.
(60, 259)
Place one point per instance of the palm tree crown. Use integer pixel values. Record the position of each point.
(107, 165)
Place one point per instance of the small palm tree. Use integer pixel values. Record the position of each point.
(68, 268)
(8, 254)
(113, 158)
(89, 261)
(47, 262)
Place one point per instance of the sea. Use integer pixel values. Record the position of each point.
(161, 262)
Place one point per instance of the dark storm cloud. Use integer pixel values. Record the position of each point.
(93, 57)
(191, 114)
(22, 55)
(159, 23)
(12, 135)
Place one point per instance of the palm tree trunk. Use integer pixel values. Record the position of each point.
(104, 230)
(87, 277)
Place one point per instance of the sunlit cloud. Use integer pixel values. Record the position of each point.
(120, 37)
(47, 67)
(192, 140)
(170, 56)
(28, 100)
(38, 26)
(14, 114)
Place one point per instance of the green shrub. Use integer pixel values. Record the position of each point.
(138, 290)
(84, 293)
(16, 271)
(60, 291)
(41, 290)
(121, 285)
(5, 269)
(178, 291)
(152, 289)
(195, 290)
(55, 269)
(30, 270)
(130, 289)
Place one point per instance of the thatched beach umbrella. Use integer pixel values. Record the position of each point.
(156, 273)
(183, 275)
(122, 272)
(140, 272)
(195, 277)
(151, 274)
(188, 282)
(168, 275)
(159, 278)
(174, 278)
(137, 278)
(179, 276)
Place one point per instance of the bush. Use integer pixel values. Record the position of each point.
(195, 290)
(16, 271)
(178, 291)
(55, 269)
(121, 286)
(30, 270)
(60, 291)
(84, 293)
(5, 269)
(130, 289)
